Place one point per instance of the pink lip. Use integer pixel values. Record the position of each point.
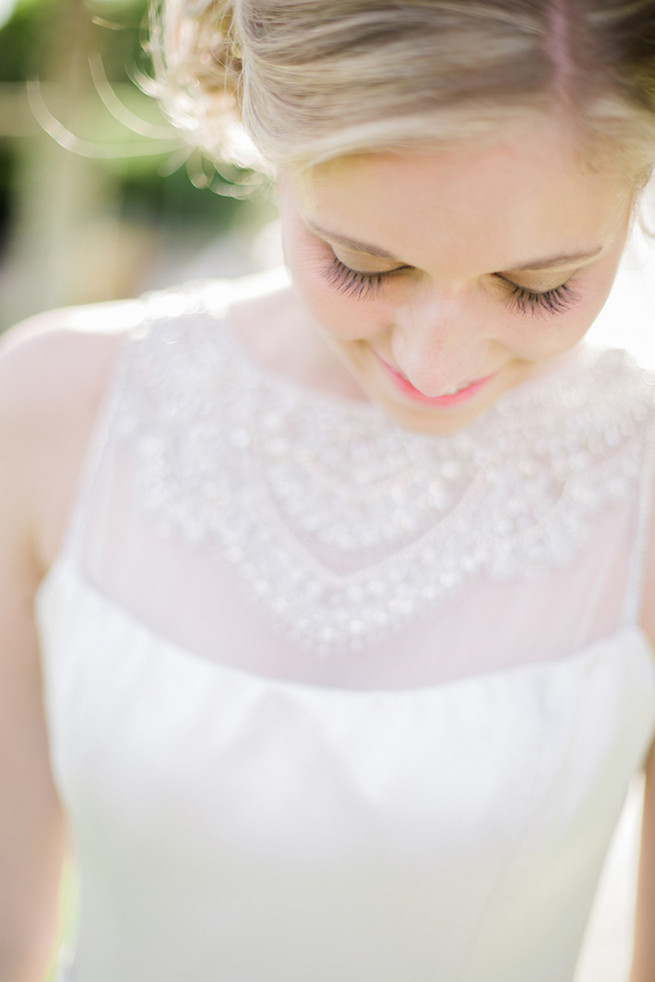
(450, 399)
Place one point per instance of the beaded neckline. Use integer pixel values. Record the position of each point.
(344, 526)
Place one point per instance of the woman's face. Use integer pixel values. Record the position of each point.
(444, 279)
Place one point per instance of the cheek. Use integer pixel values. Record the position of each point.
(593, 295)
(544, 335)
(593, 291)
(533, 337)
(600, 288)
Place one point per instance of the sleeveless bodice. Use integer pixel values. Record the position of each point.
(329, 699)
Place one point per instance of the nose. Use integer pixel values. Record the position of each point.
(439, 342)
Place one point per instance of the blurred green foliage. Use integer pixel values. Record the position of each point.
(49, 39)
(21, 39)
(6, 182)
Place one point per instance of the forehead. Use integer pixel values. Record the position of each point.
(493, 205)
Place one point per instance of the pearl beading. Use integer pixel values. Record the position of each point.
(343, 525)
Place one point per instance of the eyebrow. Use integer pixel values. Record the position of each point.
(566, 259)
(343, 240)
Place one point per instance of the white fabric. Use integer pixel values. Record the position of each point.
(430, 796)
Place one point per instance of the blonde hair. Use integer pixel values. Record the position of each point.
(311, 80)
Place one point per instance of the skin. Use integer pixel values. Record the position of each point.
(460, 223)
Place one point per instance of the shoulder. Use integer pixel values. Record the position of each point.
(629, 394)
(643, 380)
(54, 369)
(52, 360)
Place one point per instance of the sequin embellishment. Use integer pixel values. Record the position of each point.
(274, 475)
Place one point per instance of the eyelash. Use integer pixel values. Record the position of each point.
(354, 283)
(552, 301)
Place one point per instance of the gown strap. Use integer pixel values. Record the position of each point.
(100, 438)
(636, 572)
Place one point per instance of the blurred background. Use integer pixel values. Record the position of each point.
(99, 197)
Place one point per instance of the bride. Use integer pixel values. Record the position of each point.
(327, 597)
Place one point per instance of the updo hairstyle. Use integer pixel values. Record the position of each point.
(311, 80)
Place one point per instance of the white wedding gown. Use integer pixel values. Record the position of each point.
(329, 700)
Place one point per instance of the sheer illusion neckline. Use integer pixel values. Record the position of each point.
(65, 575)
(353, 525)
(340, 528)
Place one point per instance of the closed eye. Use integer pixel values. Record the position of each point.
(362, 285)
(555, 301)
(353, 282)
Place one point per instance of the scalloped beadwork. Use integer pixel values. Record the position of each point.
(343, 525)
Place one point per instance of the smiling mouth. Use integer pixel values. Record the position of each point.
(451, 398)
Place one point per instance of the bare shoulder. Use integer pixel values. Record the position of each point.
(54, 370)
(54, 359)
